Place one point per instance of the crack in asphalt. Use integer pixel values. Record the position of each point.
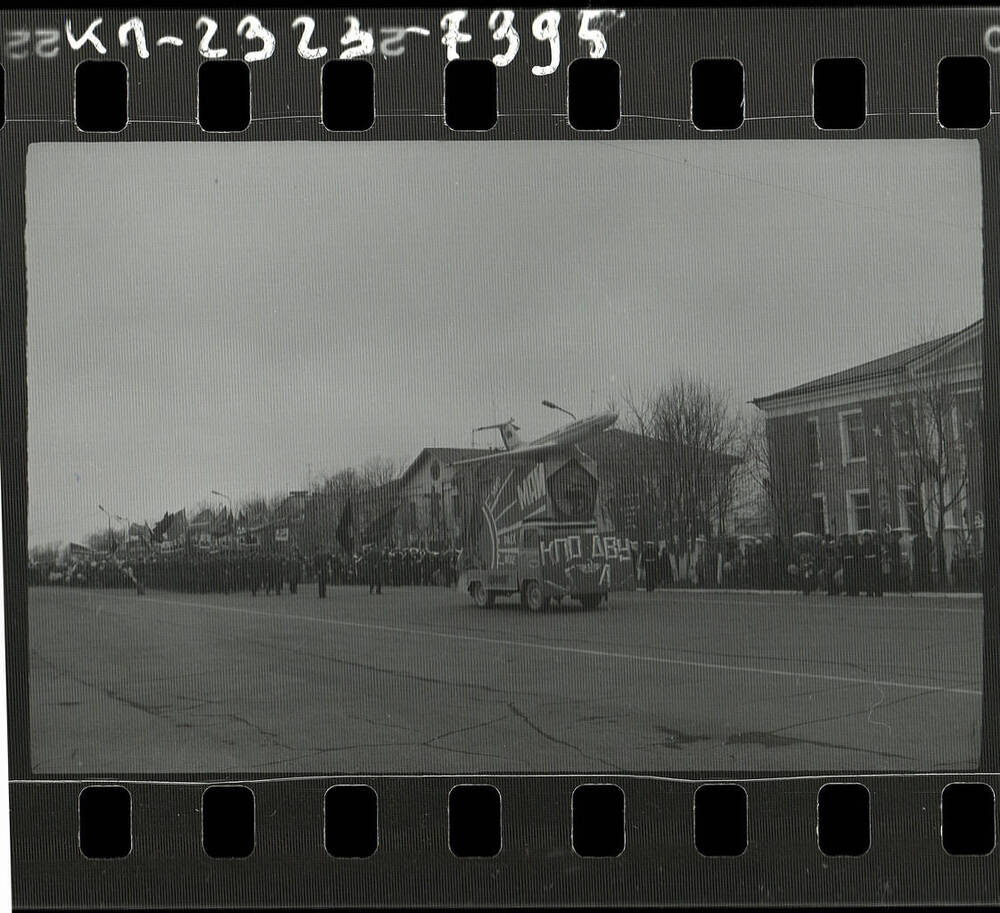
(400, 673)
(317, 752)
(444, 735)
(162, 711)
(154, 710)
(259, 729)
(174, 712)
(770, 740)
(551, 738)
(270, 739)
(373, 722)
(844, 716)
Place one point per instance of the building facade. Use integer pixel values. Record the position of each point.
(424, 507)
(429, 504)
(895, 443)
(650, 491)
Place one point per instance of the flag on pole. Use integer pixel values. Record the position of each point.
(160, 528)
(345, 528)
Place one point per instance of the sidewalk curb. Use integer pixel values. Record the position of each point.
(749, 592)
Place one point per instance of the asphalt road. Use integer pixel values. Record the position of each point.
(421, 681)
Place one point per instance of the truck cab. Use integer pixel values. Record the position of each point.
(548, 562)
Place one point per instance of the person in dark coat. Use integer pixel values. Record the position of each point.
(881, 564)
(852, 560)
(664, 574)
(871, 571)
(649, 565)
(139, 576)
(377, 568)
(279, 573)
(320, 565)
(922, 546)
(294, 572)
(896, 562)
(254, 570)
(831, 566)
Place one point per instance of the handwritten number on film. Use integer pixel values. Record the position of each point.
(457, 29)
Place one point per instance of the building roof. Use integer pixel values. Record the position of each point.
(877, 368)
(616, 441)
(444, 455)
(380, 498)
(204, 518)
(606, 445)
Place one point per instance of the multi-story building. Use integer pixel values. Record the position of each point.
(895, 443)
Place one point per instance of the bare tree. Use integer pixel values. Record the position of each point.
(696, 441)
(729, 481)
(700, 438)
(634, 481)
(774, 461)
(367, 488)
(254, 511)
(328, 495)
(102, 540)
(49, 553)
(378, 471)
(929, 435)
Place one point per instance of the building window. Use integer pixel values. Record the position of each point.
(859, 510)
(852, 436)
(819, 514)
(901, 418)
(958, 504)
(813, 448)
(911, 511)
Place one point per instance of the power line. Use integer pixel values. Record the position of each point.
(806, 193)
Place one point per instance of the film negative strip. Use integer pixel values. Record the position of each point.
(718, 627)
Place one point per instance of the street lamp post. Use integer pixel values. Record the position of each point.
(551, 405)
(128, 530)
(105, 512)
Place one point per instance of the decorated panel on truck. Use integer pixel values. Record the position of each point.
(559, 489)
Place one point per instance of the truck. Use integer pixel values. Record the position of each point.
(531, 530)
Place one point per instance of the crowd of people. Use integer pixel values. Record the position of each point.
(266, 572)
(870, 562)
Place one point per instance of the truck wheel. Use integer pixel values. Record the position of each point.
(480, 596)
(590, 602)
(534, 599)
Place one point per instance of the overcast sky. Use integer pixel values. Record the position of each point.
(234, 316)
